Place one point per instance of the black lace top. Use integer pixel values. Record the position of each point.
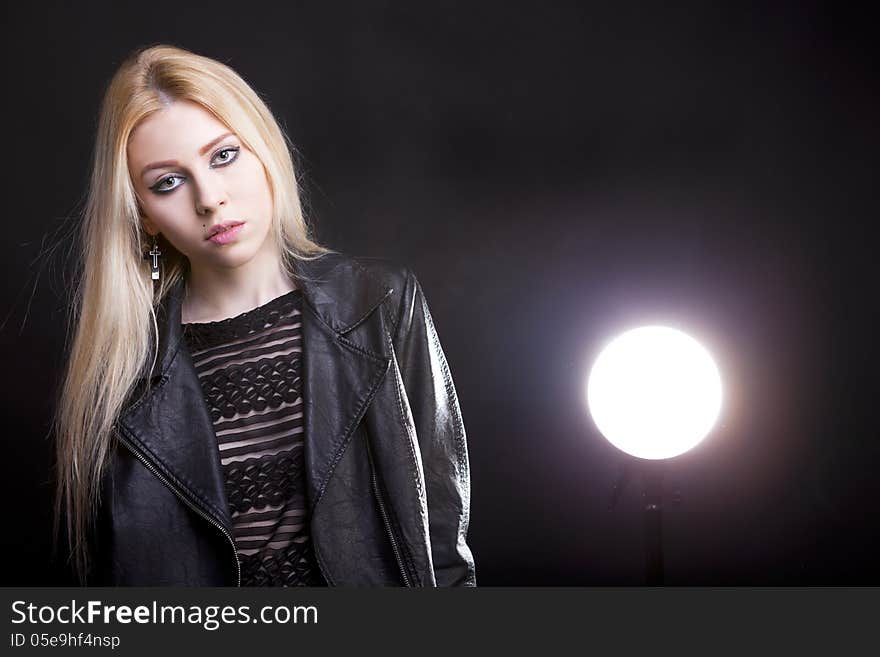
(249, 368)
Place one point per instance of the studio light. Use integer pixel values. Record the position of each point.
(654, 392)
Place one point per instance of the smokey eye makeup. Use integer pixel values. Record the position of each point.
(162, 186)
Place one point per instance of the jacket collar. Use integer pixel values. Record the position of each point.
(338, 289)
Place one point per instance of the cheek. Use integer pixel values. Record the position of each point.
(165, 214)
(174, 219)
(265, 195)
(257, 189)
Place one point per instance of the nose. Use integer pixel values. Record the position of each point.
(210, 195)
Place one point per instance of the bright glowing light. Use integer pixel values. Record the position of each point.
(654, 392)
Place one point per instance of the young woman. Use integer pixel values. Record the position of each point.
(242, 406)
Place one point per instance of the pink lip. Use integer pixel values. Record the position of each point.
(229, 234)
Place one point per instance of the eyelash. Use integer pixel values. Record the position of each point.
(157, 189)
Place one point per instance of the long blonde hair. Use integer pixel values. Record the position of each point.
(112, 318)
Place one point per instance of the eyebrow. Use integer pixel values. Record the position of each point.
(173, 163)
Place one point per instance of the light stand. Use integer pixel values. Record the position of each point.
(652, 494)
(652, 476)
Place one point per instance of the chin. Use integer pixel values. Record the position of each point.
(232, 257)
(227, 256)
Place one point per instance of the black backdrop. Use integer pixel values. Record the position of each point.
(554, 173)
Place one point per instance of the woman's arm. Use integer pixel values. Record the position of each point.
(441, 435)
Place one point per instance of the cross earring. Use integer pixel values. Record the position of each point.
(154, 264)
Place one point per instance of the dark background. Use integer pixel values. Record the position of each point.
(554, 173)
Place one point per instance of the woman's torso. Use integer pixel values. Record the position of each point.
(249, 369)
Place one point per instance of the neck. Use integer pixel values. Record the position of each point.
(213, 294)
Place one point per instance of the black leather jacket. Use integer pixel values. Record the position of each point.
(386, 463)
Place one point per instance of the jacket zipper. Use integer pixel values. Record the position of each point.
(192, 506)
(394, 546)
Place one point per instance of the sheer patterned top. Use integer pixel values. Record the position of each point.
(249, 368)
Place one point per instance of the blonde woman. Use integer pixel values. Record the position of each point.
(242, 406)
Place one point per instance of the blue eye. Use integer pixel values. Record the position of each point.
(230, 154)
(160, 187)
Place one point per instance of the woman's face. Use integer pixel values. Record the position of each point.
(192, 174)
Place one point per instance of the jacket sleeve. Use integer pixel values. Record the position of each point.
(441, 435)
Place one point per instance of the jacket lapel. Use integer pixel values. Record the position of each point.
(172, 427)
(340, 376)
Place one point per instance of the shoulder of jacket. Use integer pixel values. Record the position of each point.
(388, 273)
(344, 289)
(392, 275)
(382, 270)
